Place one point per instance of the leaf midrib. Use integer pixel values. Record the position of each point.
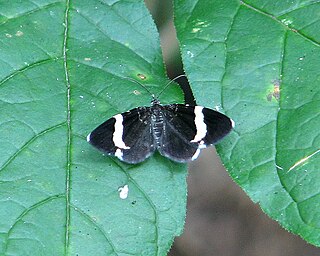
(68, 170)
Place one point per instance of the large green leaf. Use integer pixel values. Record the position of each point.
(259, 61)
(63, 69)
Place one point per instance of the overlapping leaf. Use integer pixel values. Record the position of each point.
(259, 60)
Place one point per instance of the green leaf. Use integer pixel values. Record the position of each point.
(259, 61)
(63, 69)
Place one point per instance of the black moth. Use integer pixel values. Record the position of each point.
(177, 131)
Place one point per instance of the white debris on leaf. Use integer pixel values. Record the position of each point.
(123, 192)
(286, 22)
(190, 54)
(19, 33)
(303, 160)
(217, 108)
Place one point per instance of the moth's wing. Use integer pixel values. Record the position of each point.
(218, 126)
(127, 136)
(187, 129)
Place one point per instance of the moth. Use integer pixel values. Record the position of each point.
(176, 131)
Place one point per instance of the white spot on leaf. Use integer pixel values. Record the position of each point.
(195, 30)
(136, 92)
(19, 33)
(190, 54)
(286, 22)
(123, 192)
(217, 108)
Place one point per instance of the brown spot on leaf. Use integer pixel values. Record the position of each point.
(142, 76)
(136, 92)
(276, 90)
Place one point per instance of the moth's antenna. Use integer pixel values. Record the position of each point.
(137, 82)
(165, 87)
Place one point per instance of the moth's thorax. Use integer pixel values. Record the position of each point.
(157, 121)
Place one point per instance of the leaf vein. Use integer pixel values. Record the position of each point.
(28, 143)
(25, 212)
(281, 23)
(298, 8)
(113, 40)
(28, 66)
(39, 8)
(94, 223)
(152, 205)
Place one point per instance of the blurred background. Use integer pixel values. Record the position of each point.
(221, 219)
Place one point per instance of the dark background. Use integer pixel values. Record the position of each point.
(221, 219)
